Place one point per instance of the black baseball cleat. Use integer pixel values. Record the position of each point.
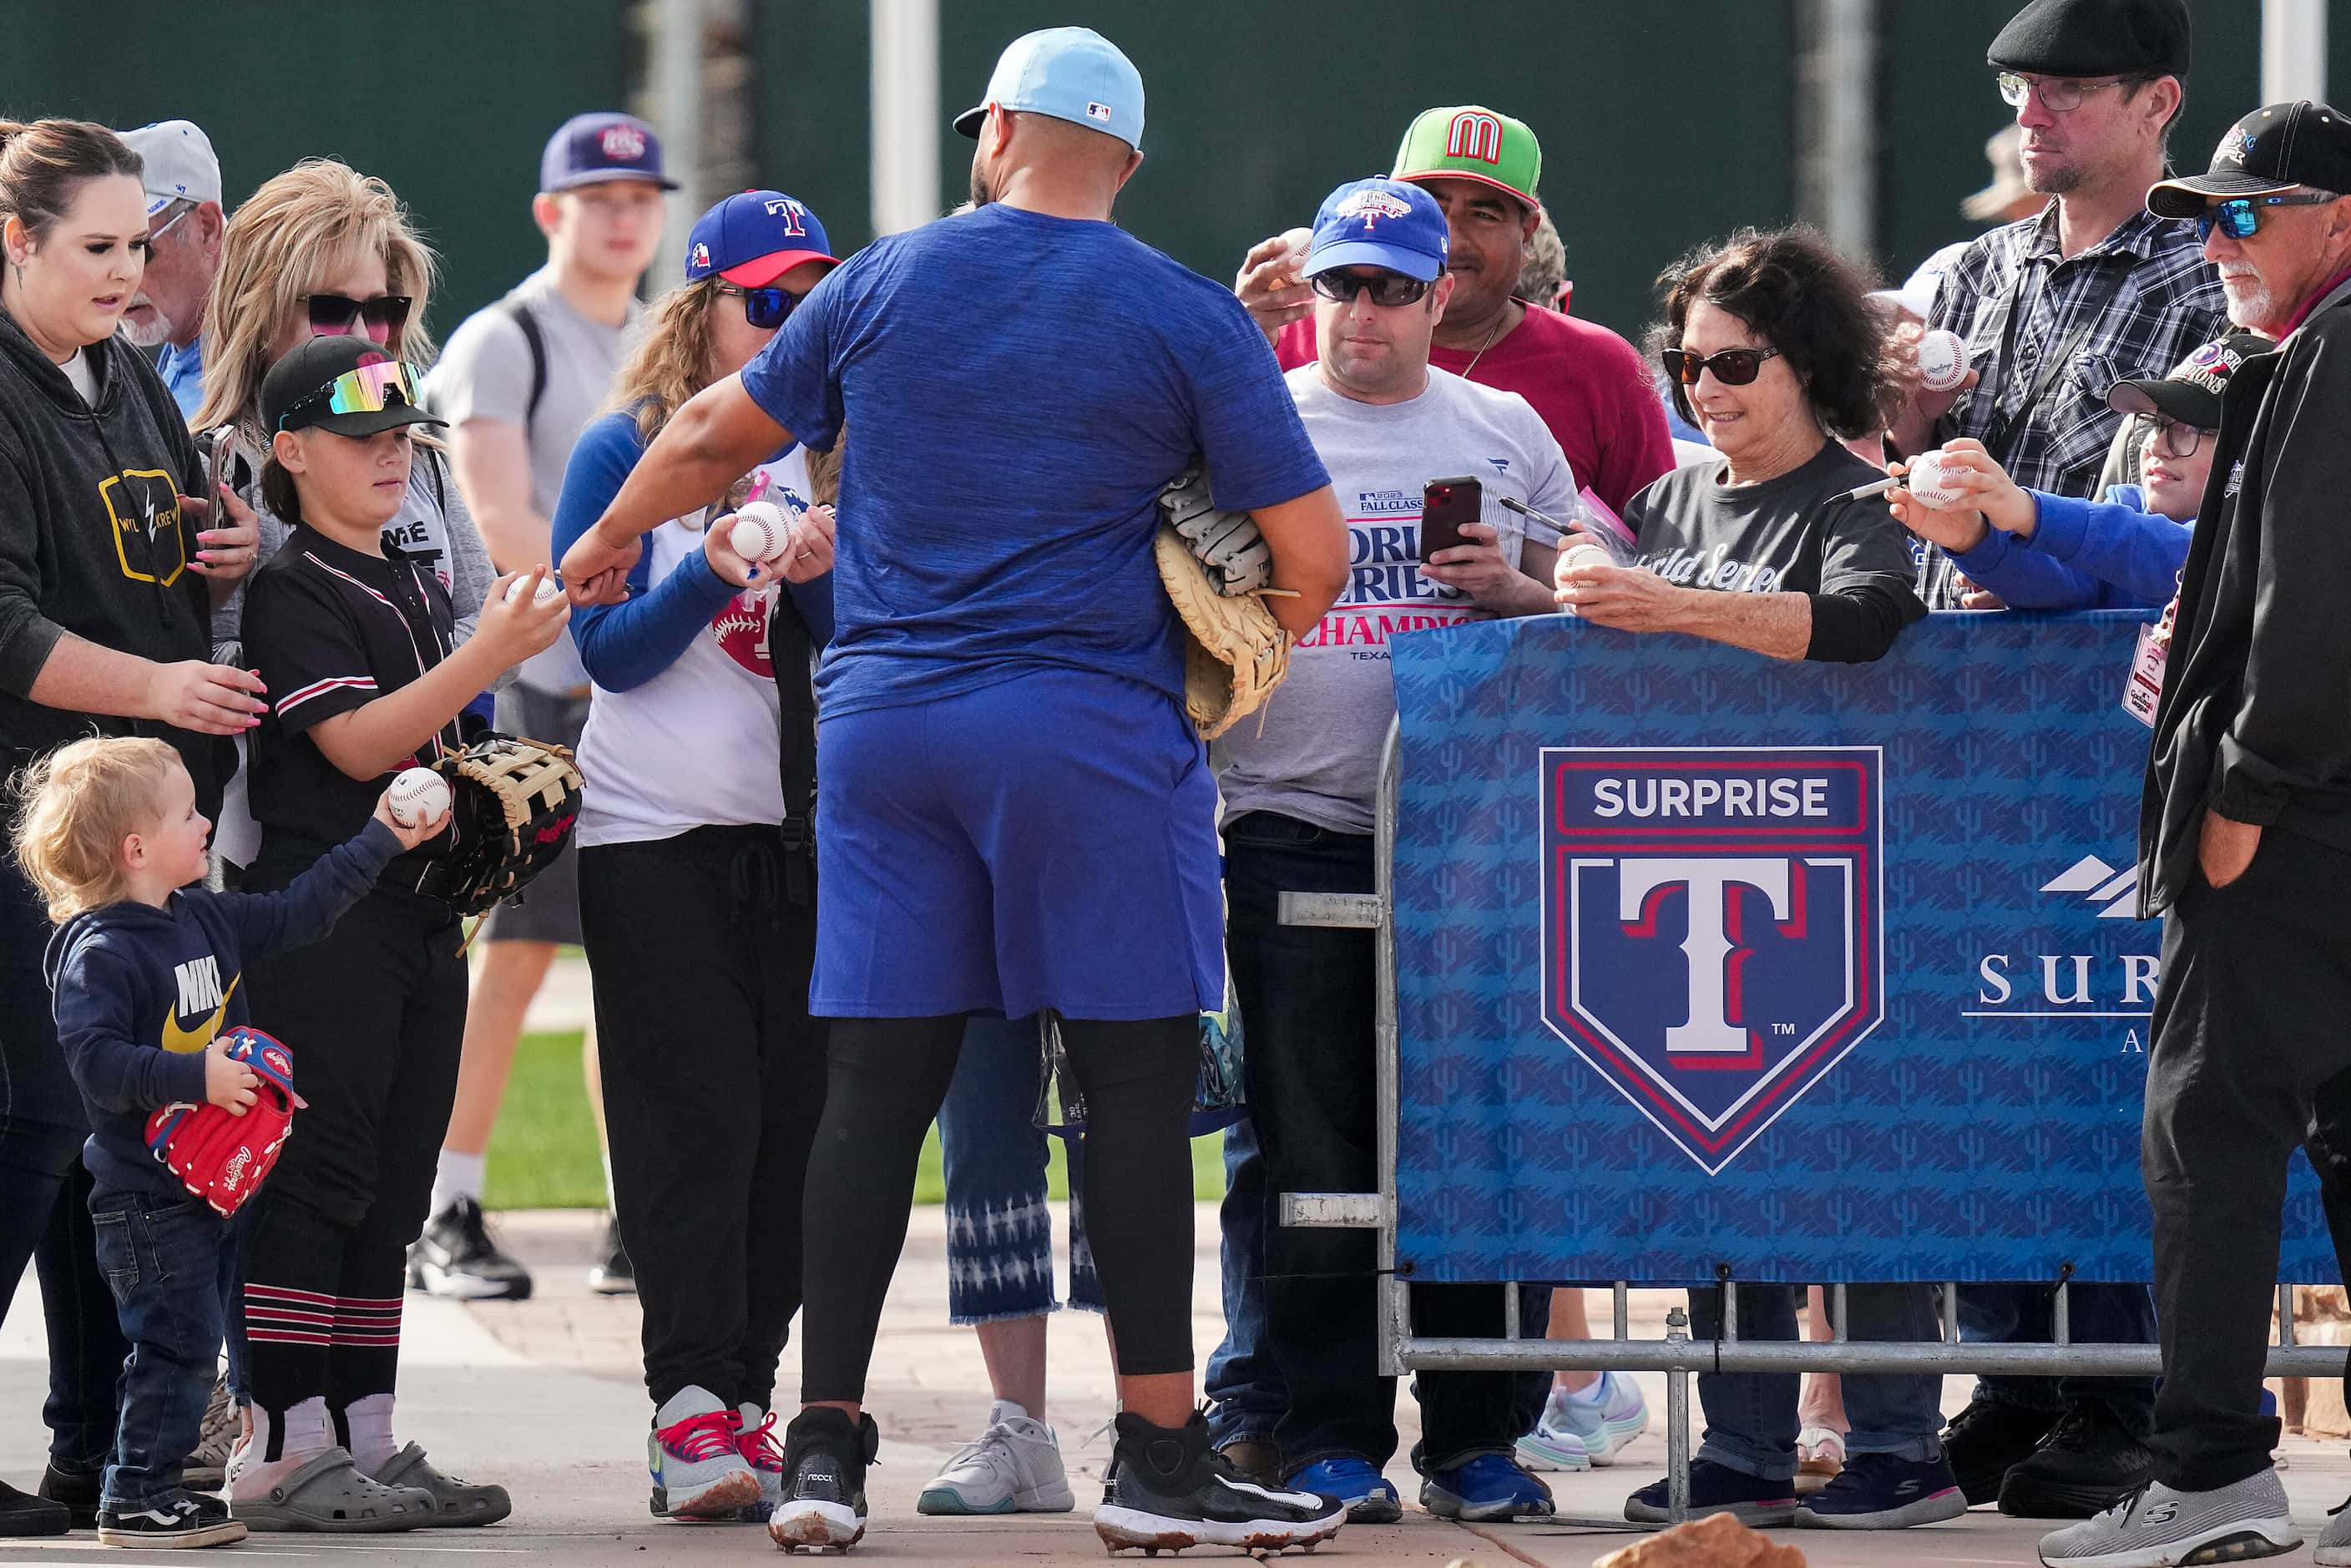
(2089, 1462)
(823, 1505)
(455, 1257)
(1987, 1440)
(1169, 1493)
(176, 1521)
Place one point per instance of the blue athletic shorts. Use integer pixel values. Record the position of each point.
(1046, 841)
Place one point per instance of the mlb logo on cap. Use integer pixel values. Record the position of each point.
(589, 149)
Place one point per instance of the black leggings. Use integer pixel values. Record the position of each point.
(887, 1079)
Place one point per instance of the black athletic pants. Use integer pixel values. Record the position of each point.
(374, 1015)
(2251, 1057)
(713, 1078)
(888, 1078)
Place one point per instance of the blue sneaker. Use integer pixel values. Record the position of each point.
(1718, 1489)
(1370, 1497)
(1492, 1486)
(1880, 1491)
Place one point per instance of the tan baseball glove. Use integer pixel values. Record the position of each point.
(1235, 652)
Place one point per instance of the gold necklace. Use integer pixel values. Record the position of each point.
(1492, 332)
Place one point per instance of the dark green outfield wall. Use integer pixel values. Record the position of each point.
(1663, 124)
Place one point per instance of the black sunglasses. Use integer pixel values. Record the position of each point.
(334, 316)
(1732, 366)
(1389, 288)
(763, 307)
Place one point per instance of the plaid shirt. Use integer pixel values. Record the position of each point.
(2150, 299)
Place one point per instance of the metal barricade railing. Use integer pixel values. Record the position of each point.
(1676, 1355)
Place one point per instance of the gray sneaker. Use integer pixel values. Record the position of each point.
(2159, 1527)
(2335, 1540)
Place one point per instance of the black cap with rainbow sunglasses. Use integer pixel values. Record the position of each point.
(2268, 153)
(348, 385)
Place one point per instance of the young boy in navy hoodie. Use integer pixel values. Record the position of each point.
(145, 970)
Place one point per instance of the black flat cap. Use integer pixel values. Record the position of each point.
(2096, 38)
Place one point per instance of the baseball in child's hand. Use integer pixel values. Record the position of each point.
(547, 589)
(228, 1083)
(414, 806)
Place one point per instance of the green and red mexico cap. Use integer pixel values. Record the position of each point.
(1473, 142)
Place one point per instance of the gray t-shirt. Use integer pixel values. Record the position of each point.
(1318, 756)
(486, 373)
(1794, 534)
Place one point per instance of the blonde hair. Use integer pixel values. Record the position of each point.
(672, 360)
(272, 252)
(78, 804)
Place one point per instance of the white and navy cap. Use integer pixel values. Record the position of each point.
(178, 164)
(1067, 73)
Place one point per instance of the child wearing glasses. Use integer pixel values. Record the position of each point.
(355, 640)
(2034, 550)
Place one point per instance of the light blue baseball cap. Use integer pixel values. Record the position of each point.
(1069, 73)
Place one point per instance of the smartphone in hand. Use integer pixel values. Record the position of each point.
(1445, 506)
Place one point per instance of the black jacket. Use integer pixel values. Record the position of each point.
(2255, 717)
(92, 541)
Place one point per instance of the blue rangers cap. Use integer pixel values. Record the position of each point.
(1379, 222)
(754, 238)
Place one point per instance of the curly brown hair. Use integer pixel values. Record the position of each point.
(1801, 296)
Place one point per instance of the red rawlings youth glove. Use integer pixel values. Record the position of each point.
(222, 1158)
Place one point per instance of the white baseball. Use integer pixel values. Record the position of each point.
(1927, 480)
(1942, 360)
(547, 589)
(1584, 555)
(1295, 242)
(419, 795)
(761, 531)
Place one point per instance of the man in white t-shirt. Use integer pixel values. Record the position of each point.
(519, 380)
(1299, 803)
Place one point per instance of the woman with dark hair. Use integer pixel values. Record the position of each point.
(105, 588)
(1774, 350)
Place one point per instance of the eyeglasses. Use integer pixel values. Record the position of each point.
(333, 315)
(765, 308)
(1731, 367)
(2173, 438)
(2059, 95)
(370, 389)
(1388, 289)
(158, 231)
(2241, 215)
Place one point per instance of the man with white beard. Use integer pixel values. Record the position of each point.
(183, 233)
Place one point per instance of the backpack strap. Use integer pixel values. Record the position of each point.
(520, 315)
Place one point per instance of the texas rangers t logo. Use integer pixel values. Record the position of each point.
(1712, 941)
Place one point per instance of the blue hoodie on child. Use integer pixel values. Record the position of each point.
(2084, 555)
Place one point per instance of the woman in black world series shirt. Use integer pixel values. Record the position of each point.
(107, 577)
(1774, 350)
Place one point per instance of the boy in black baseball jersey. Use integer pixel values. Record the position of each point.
(357, 646)
(146, 969)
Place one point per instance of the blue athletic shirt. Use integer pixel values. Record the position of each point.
(1019, 388)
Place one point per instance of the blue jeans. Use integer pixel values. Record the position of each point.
(999, 1232)
(1750, 1416)
(1243, 1385)
(168, 1262)
(2011, 1312)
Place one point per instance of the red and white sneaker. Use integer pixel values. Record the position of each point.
(755, 1440)
(698, 1471)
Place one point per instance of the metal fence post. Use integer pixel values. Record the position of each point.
(1395, 1294)
(1677, 1422)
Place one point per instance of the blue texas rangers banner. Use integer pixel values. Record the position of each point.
(1818, 971)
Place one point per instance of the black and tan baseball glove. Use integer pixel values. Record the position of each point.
(1218, 569)
(512, 804)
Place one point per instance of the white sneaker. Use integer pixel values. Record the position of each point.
(1600, 1421)
(698, 1472)
(1014, 1467)
(2157, 1527)
(2335, 1540)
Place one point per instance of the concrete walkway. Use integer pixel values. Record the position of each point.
(544, 1395)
